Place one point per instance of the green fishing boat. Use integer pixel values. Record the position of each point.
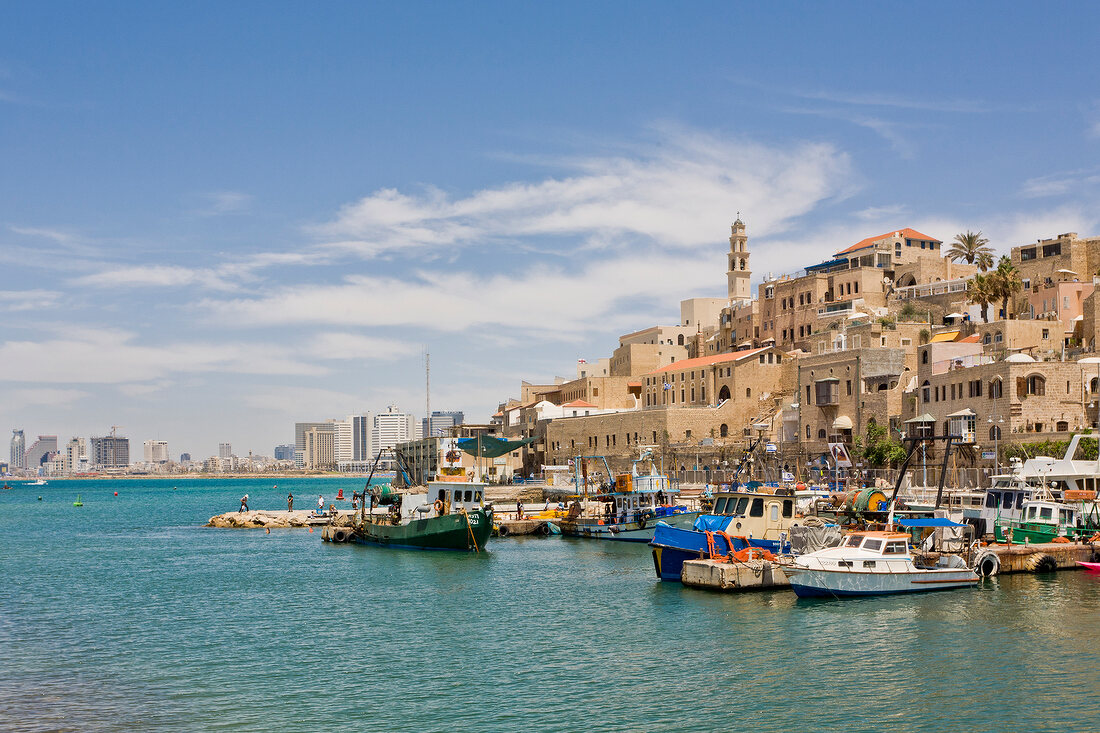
(1045, 520)
(444, 516)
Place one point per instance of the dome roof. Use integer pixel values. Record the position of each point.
(1019, 358)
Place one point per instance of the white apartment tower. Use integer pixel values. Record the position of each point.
(76, 456)
(739, 273)
(18, 447)
(392, 427)
(354, 438)
(156, 451)
(225, 450)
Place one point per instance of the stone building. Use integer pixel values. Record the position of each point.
(1047, 259)
(969, 393)
(841, 391)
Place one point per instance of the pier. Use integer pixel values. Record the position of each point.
(1039, 558)
(270, 519)
(733, 577)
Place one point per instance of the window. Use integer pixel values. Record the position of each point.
(821, 434)
(924, 357)
(873, 545)
(757, 508)
(469, 496)
(1036, 386)
(1062, 426)
(995, 432)
(720, 506)
(748, 392)
(1046, 333)
(1052, 250)
(894, 548)
(996, 389)
(773, 512)
(848, 387)
(724, 430)
(1028, 253)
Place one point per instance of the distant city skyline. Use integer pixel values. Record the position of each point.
(457, 179)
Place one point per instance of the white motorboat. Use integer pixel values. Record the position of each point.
(873, 563)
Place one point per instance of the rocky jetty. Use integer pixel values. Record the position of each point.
(261, 519)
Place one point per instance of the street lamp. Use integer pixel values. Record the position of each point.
(996, 442)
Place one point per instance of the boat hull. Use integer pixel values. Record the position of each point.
(811, 583)
(449, 532)
(638, 531)
(674, 545)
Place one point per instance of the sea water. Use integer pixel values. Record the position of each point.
(128, 614)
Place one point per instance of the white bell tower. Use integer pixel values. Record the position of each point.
(738, 275)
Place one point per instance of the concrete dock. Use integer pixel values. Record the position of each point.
(1000, 559)
(733, 577)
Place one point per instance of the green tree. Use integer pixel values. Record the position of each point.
(1006, 282)
(981, 290)
(972, 248)
(876, 448)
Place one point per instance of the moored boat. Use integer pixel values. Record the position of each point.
(446, 515)
(874, 563)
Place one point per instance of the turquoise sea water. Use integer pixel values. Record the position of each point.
(127, 614)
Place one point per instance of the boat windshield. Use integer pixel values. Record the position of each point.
(1046, 512)
(872, 545)
(895, 547)
(854, 540)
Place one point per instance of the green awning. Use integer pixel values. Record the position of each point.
(490, 447)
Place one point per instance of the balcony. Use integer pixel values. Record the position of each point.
(923, 291)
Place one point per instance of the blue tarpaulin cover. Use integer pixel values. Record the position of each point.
(929, 522)
(711, 522)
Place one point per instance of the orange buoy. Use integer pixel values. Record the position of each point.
(311, 529)
(340, 494)
(116, 493)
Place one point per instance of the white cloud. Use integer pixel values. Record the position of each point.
(91, 356)
(225, 202)
(305, 403)
(157, 276)
(55, 235)
(335, 345)
(25, 300)
(42, 397)
(678, 193)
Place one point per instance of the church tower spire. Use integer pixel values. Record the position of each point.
(738, 275)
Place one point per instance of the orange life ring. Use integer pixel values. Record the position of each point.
(438, 506)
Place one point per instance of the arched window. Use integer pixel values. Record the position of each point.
(748, 392)
(821, 434)
(998, 337)
(996, 388)
(926, 392)
(1094, 384)
(724, 430)
(680, 340)
(1036, 385)
(987, 338)
(995, 432)
(724, 393)
(742, 264)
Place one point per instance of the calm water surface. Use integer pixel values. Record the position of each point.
(126, 614)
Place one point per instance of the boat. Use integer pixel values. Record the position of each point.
(1047, 520)
(39, 482)
(874, 563)
(626, 509)
(448, 513)
(1092, 567)
(741, 518)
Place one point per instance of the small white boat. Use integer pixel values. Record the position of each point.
(873, 563)
(39, 482)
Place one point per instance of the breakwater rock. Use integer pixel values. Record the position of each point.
(261, 519)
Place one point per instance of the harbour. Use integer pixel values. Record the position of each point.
(241, 621)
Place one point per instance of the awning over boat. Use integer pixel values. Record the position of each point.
(842, 423)
(490, 447)
(928, 522)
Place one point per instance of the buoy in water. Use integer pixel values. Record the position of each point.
(78, 502)
(40, 498)
(311, 529)
(116, 493)
(340, 494)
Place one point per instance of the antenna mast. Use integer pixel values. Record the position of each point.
(428, 392)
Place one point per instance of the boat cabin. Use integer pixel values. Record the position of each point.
(757, 515)
(1052, 513)
(440, 498)
(878, 543)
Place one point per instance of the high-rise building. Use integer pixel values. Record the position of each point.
(392, 427)
(318, 452)
(156, 451)
(300, 429)
(110, 451)
(40, 451)
(185, 457)
(284, 453)
(18, 447)
(225, 450)
(353, 438)
(76, 456)
(441, 423)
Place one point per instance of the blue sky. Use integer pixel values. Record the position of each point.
(217, 218)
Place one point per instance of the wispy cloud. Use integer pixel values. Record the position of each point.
(156, 276)
(886, 100)
(879, 213)
(677, 193)
(217, 203)
(1060, 184)
(356, 346)
(25, 300)
(105, 356)
(43, 397)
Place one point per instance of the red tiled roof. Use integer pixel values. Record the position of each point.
(907, 233)
(633, 384)
(578, 403)
(702, 361)
(972, 339)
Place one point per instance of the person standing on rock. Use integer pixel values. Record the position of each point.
(290, 502)
(244, 504)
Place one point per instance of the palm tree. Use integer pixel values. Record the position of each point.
(982, 289)
(973, 248)
(1007, 282)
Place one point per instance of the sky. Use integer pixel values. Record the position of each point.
(219, 218)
